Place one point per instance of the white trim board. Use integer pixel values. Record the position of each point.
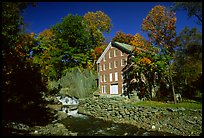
(103, 54)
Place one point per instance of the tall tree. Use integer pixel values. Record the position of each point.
(123, 38)
(74, 40)
(160, 27)
(188, 61)
(21, 83)
(98, 22)
(193, 9)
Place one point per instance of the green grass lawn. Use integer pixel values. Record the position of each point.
(190, 104)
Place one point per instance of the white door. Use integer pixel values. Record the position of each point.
(114, 89)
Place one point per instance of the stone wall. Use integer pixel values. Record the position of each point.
(177, 121)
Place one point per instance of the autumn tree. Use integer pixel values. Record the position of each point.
(160, 27)
(98, 23)
(21, 83)
(122, 37)
(47, 55)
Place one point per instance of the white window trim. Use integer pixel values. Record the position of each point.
(111, 77)
(104, 58)
(115, 64)
(110, 54)
(116, 76)
(104, 66)
(104, 77)
(122, 62)
(110, 65)
(115, 51)
(104, 88)
(122, 54)
(101, 68)
(101, 79)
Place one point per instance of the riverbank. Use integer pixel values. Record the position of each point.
(146, 119)
(178, 121)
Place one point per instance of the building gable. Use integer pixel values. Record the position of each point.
(121, 46)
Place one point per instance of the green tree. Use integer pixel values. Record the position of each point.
(188, 61)
(98, 22)
(47, 55)
(160, 27)
(193, 9)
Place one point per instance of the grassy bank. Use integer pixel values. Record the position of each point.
(190, 104)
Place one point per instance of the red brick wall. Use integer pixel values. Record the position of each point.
(113, 70)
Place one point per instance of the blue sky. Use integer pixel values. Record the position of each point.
(125, 16)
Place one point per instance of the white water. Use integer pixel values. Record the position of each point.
(70, 101)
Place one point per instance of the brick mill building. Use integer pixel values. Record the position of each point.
(110, 65)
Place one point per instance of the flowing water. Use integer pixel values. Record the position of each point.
(89, 126)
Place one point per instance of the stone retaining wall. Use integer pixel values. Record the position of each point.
(177, 121)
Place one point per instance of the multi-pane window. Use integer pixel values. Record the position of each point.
(101, 78)
(100, 67)
(110, 65)
(104, 88)
(104, 66)
(116, 64)
(104, 58)
(111, 77)
(105, 77)
(115, 53)
(116, 76)
(123, 62)
(110, 54)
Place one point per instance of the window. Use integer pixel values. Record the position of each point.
(116, 64)
(110, 54)
(115, 53)
(116, 76)
(111, 77)
(104, 77)
(121, 53)
(100, 67)
(104, 66)
(110, 65)
(123, 62)
(104, 87)
(101, 78)
(104, 59)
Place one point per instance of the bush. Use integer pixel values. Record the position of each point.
(79, 83)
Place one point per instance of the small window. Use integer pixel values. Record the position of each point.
(110, 54)
(101, 78)
(104, 59)
(123, 62)
(104, 66)
(110, 65)
(111, 77)
(121, 53)
(116, 76)
(104, 88)
(101, 68)
(104, 77)
(115, 53)
(116, 64)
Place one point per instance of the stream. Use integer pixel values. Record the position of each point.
(85, 125)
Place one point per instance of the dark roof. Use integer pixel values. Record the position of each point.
(124, 47)
(128, 48)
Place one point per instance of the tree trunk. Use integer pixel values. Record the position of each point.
(172, 85)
